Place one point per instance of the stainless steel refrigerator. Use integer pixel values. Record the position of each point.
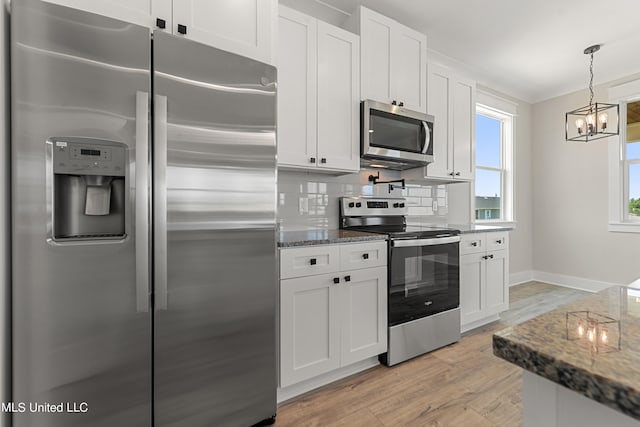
(143, 209)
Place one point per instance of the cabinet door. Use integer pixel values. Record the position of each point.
(439, 105)
(497, 289)
(141, 12)
(240, 26)
(338, 99)
(309, 328)
(364, 321)
(464, 118)
(472, 297)
(376, 43)
(408, 68)
(297, 78)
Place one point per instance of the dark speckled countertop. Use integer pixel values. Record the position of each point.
(550, 346)
(324, 237)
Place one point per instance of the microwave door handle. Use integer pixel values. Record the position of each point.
(427, 137)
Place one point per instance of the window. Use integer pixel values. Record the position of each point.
(631, 162)
(624, 161)
(493, 180)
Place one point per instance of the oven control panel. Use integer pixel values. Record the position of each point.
(370, 206)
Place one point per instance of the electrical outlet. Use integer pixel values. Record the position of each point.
(435, 205)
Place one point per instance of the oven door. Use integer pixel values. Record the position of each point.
(424, 277)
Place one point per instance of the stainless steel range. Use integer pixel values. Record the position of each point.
(423, 276)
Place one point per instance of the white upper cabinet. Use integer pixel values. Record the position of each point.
(244, 27)
(393, 60)
(141, 12)
(318, 95)
(451, 100)
(297, 77)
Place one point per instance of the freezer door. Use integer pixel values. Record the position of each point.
(214, 213)
(81, 335)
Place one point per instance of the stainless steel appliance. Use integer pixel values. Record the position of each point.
(394, 137)
(423, 276)
(143, 272)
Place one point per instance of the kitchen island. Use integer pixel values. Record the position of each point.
(581, 361)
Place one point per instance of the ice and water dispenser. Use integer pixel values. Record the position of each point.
(89, 191)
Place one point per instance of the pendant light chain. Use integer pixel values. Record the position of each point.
(591, 82)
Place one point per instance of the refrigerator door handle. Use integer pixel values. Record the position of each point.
(160, 202)
(142, 201)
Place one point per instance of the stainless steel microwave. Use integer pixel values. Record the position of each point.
(394, 137)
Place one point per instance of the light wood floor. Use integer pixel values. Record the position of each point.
(459, 385)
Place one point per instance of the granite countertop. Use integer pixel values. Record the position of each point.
(607, 371)
(324, 237)
(464, 228)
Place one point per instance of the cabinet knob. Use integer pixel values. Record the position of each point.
(499, 241)
(182, 29)
(490, 256)
(336, 280)
(323, 160)
(365, 256)
(161, 23)
(312, 160)
(451, 173)
(485, 257)
(474, 243)
(347, 278)
(401, 104)
(394, 102)
(457, 173)
(313, 261)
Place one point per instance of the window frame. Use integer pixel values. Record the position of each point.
(487, 108)
(619, 166)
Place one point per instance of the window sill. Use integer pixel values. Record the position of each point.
(511, 224)
(624, 227)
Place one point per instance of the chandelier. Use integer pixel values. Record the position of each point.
(594, 121)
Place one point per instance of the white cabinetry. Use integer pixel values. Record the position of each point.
(393, 60)
(244, 27)
(318, 95)
(451, 99)
(484, 273)
(330, 316)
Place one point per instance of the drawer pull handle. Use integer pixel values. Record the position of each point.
(313, 261)
(365, 256)
(336, 280)
(474, 243)
(312, 160)
(161, 23)
(323, 160)
(347, 278)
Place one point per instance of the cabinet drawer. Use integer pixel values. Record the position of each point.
(363, 255)
(473, 243)
(497, 241)
(309, 260)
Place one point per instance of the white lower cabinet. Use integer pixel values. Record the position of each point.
(484, 274)
(332, 320)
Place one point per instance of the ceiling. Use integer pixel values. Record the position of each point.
(532, 50)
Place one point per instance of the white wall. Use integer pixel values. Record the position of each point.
(4, 216)
(570, 201)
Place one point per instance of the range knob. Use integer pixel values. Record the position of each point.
(358, 205)
(351, 204)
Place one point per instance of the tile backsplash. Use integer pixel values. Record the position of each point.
(309, 200)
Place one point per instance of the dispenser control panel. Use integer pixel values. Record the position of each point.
(83, 156)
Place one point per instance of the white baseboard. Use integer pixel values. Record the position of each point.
(573, 282)
(294, 390)
(520, 277)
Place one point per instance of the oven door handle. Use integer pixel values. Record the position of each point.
(410, 243)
